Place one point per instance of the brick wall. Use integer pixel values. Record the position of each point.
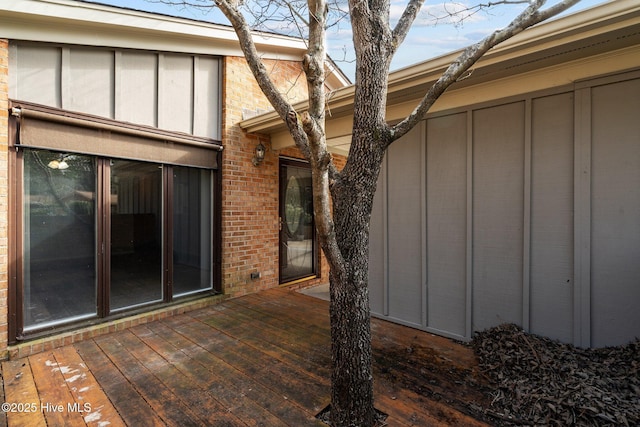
(4, 189)
(250, 193)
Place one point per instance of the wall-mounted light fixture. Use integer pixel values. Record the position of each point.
(59, 164)
(259, 157)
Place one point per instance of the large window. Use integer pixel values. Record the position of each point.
(102, 235)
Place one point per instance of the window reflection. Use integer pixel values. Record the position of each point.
(136, 233)
(192, 239)
(59, 234)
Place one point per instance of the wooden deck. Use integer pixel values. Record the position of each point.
(258, 360)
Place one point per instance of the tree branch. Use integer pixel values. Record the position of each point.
(405, 22)
(284, 109)
(529, 17)
(313, 123)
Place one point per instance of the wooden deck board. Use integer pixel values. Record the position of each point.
(20, 389)
(161, 399)
(89, 398)
(228, 379)
(288, 381)
(131, 406)
(230, 398)
(310, 354)
(259, 360)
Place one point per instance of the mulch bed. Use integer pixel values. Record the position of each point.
(538, 381)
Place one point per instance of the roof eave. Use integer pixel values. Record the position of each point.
(588, 23)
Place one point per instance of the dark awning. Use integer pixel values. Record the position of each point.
(54, 129)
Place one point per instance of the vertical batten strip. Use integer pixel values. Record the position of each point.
(65, 78)
(161, 95)
(423, 224)
(385, 234)
(195, 61)
(526, 226)
(469, 253)
(118, 98)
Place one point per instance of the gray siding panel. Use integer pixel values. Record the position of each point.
(446, 222)
(90, 82)
(498, 139)
(206, 96)
(615, 257)
(405, 242)
(138, 88)
(175, 111)
(551, 272)
(33, 69)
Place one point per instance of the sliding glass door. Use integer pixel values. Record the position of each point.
(100, 236)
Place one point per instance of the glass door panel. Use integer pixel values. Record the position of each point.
(136, 234)
(297, 227)
(192, 239)
(59, 238)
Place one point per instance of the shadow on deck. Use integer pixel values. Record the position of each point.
(258, 360)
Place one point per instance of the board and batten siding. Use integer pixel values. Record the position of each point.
(175, 92)
(525, 211)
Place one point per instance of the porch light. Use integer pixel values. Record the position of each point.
(259, 157)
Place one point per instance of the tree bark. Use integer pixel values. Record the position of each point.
(352, 402)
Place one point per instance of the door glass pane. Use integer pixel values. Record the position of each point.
(59, 235)
(191, 230)
(297, 236)
(136, 233)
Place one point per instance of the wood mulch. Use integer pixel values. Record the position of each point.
(539, 381)
(258, 360)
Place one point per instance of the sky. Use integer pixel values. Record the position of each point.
(427, 39)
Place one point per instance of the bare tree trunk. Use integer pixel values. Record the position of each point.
(351, 379)
(352, 402)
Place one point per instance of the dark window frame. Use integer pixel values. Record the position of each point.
(303, 164)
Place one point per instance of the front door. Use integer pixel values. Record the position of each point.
(298, 249)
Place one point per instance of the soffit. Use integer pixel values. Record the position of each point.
(597, 31)
(74, 22)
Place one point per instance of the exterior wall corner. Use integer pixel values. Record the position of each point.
(4, 197)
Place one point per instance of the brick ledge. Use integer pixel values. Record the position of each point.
(48, 343)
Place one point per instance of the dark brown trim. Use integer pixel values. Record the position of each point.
(103, 239)
(299, 163)
(167, 249)
(14, 291)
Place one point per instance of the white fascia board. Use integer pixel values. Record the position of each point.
(68, 21)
